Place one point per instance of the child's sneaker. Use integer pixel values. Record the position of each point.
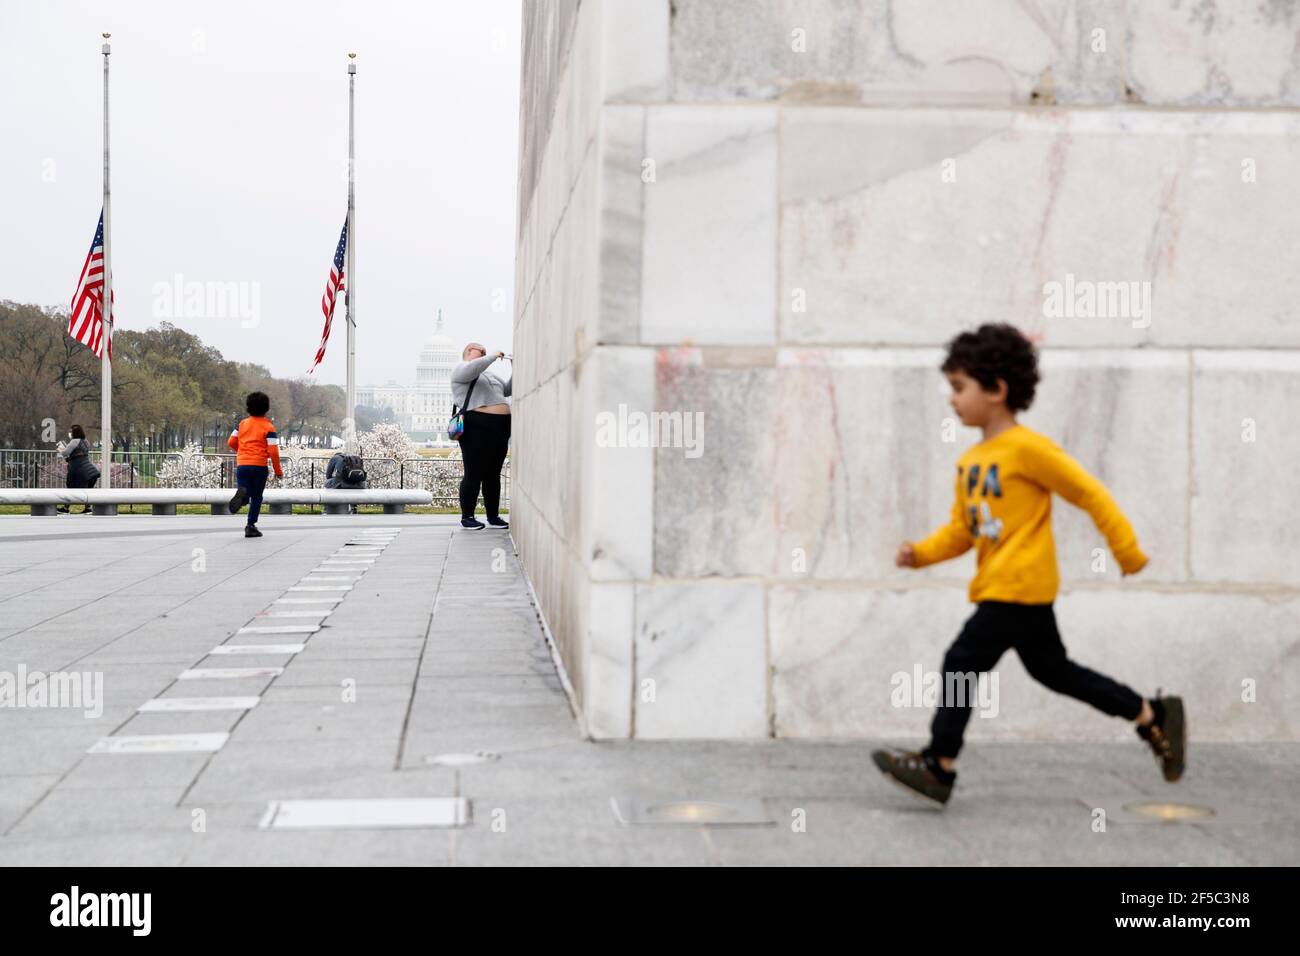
(1167, 735)
(250, 531)
(919, 772)
(238, 501)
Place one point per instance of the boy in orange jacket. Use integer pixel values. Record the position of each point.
(1003, 508)
(254, 442)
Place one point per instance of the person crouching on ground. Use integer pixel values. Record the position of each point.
(1003, 509)
(255, 442)
(481, 396)
(346, 472)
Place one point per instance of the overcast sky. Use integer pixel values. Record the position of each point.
(229, 155)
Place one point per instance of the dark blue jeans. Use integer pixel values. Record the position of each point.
(252, 478)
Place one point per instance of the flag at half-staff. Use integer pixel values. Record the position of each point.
(86, 322)
(333, 286)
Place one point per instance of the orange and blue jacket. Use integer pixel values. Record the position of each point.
(255, 441)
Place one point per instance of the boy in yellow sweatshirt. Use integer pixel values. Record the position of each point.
(1003, 508)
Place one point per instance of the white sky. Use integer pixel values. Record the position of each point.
(229, 154)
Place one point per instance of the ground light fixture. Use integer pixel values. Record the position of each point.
(1170, 812)
(691, 812)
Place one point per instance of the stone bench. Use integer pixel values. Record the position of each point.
(104, 501)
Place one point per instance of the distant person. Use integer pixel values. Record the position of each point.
(346, 472)
(255, 442)
(82, 472)
(1003, 509)
(480, 394)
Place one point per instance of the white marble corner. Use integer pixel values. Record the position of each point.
(622, 193)
(619, 540)
(607, 670)
(709, 247)
(701, 661)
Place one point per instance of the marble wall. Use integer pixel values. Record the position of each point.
(765, 218)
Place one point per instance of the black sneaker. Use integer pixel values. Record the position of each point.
(497, 523)
(250, 531)
(1167, 736)
(238, 501)
(473, 524)
(918, 772)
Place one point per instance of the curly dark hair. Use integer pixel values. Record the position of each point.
(257, 403)
(997, 351)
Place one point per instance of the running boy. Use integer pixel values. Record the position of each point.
(1004, 509)
(254, 441)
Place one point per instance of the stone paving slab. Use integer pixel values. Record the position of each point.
(433, 652)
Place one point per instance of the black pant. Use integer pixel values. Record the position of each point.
(252, 478)
(997, 626)
(483, 447)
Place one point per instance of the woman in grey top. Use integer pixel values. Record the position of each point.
(481, 394)
(81, 471)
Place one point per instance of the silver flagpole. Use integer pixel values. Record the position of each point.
(106, 366)
(350, 435)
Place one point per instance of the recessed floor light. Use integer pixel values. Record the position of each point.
(1172, 812)
(728, 811)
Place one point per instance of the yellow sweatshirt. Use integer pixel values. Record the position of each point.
(1004, 508)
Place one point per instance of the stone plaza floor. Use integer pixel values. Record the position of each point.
(420, 641)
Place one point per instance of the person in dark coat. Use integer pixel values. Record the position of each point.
(337, 474)
(82, 472)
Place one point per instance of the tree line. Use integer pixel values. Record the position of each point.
(169, 388)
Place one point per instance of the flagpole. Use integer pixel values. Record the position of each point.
(106, 340)
(350, 290)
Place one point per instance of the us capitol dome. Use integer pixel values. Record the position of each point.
(421, 409)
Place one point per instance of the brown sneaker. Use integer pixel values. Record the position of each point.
(918, 772)
(1167, 736)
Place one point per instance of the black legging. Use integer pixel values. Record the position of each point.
(483, 447)
(995, 628)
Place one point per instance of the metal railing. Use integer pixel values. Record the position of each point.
(43, 468)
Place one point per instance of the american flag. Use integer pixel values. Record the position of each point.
(333, 285)
(86, 323)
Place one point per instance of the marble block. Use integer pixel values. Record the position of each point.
(701, 661)
(899, 226)
(708, 265)
(1245, 445)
